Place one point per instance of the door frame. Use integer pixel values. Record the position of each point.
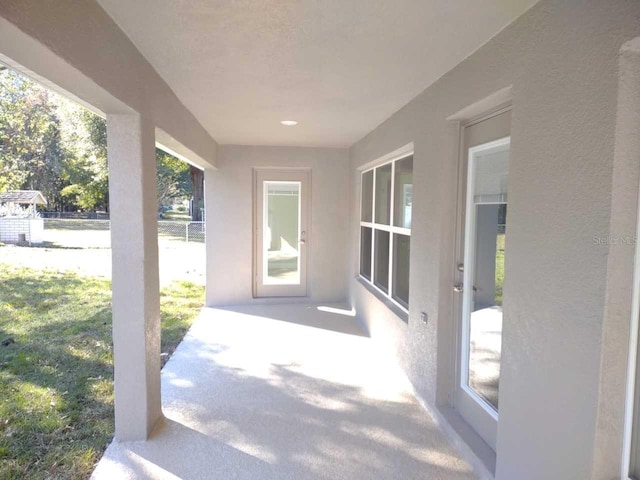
(630, 400)
(266, 174)
(474, 401)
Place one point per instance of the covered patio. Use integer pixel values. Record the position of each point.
(285, 392)
(379, 153)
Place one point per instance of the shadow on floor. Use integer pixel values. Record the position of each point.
(247, 397)
(334, 317)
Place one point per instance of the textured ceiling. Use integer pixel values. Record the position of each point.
(339, 67)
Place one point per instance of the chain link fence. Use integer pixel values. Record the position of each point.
(95, 233)
(181, 231)
(76, 215)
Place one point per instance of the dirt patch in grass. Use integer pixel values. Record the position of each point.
(56, 376)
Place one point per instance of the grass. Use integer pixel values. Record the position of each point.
(67, 233)
(56, 407)
(73, 224)
(174, 215)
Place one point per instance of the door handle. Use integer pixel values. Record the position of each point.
(458, 288)
(302, 241)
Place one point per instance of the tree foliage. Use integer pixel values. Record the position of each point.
(51, 144)
(85, 172)
(31, 154)
(173, 178)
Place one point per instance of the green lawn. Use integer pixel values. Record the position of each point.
(175, 215)
(56, 405)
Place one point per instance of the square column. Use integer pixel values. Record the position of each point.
(211, 208)
(135, 277)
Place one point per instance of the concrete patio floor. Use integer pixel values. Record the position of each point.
(285, 392)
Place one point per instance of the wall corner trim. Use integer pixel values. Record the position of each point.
(405, 150)
(481, 107)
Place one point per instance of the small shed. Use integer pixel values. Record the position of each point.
(18, 226)
(23, 197)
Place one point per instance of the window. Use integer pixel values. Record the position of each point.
(633, 423)
(385, 228)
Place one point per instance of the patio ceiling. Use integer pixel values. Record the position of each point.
(338, 67)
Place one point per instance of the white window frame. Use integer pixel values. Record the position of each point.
(390, 158)
(632, 364)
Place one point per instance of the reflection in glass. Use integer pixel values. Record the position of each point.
(365, 252)
(282, 218)
(383, 194)
(634, 464)
(367, 196)
(484, 295)
(403, 192)
(401, 244)
(381, 267)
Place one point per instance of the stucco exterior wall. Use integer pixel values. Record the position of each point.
(560, 62)
(229, 204)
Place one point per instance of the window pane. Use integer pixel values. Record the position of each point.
(282, 218)
(403, 193)
(383, 194)
(381, 267)
(367, 196)
(634, 464)
(500, 245)
(365, 252)
(483, 291)
(401, 268)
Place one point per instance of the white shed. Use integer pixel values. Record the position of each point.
(18, 226)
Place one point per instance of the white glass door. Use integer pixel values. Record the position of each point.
(481, 271)
(281, 233)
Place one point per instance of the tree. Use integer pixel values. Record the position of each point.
(51, 144)
(197, 181)
(31, 153)
(86, 172)
(173, 178)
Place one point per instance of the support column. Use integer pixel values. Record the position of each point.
(211, 236)
(136, 297)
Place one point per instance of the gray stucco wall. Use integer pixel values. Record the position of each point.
(229, 204)
(560, 60)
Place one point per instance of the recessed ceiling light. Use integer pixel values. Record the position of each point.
(289, 123)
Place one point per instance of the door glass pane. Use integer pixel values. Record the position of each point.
(365, 252)
(634, 464)
(281, 235)
(486, 253)
(383, 194)
(400, 289)
(381, 267)
(403, 193)
(367, 196)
